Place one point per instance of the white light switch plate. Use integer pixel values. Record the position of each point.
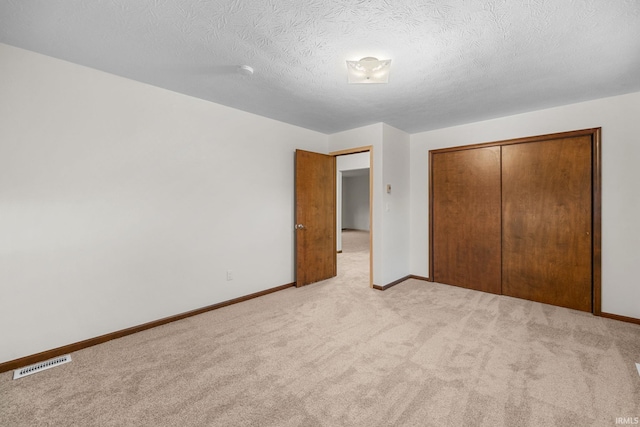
(638, 368)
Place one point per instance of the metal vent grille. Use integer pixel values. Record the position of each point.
(32, 369)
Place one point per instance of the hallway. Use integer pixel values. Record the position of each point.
(353, 262)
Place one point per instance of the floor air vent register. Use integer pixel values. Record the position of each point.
(39, 367)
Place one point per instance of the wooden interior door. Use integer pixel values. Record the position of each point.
(547, 222)
(315, 217)
(465, 208)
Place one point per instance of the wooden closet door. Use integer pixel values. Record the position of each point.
(465, 189)
(547, 222)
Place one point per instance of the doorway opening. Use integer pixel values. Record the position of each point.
(354, 213)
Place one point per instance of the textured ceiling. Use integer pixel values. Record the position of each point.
(453, 61)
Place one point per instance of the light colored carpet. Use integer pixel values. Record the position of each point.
(337, 353)
(355, 241)
(353, 262)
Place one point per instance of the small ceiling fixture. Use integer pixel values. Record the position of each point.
(245, 70)
(369, 70)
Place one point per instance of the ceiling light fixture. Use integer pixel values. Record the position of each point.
(245, 70)
(368, 70)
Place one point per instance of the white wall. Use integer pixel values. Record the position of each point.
(122, 203)
(355, 202)
(618, 117)
(349, 162)
(396, 216)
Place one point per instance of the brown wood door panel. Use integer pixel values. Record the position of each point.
(465, 188)
(547, 222)
(316, 211)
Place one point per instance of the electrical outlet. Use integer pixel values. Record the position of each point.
(229, 275)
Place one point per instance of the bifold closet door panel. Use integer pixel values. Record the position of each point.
(546, 217)
(466, 218)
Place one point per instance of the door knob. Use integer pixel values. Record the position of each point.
(299, 226)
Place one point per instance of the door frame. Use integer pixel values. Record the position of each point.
(596, 200)
(357, 150)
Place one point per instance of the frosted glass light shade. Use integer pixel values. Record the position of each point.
(369, 70)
